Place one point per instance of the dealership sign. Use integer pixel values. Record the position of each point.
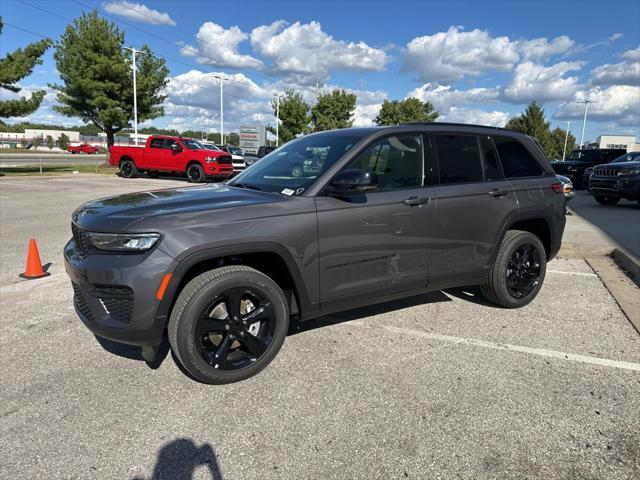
(251, 137)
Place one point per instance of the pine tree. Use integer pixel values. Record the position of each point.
(13, 68)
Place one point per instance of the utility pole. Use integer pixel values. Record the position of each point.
(277, 119)
(566, 137)
(135, 93)
(584, 122)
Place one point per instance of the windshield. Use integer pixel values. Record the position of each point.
(627, 157)
(210, 146)
(295, 166)
(193, 145)
(235, 150)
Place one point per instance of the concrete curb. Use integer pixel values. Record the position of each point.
(628, 262)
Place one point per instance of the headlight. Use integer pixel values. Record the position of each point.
(629, 171)
(210, 159)
(123, 242)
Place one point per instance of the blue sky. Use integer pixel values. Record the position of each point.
(479, 62)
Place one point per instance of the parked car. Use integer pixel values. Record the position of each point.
(82, 148)
(567, 187)
(392, 212)
(264, 150)
(627, 157)
(579, 160)
(237, 155)
(617, 180)
(163, 153)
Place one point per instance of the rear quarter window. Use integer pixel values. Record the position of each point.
(156, 143)
(458, 158)
(516, 159)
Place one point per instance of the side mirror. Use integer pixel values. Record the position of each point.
(352, 181)
(175, 147)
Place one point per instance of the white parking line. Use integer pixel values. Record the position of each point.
(580, 274)
(603, 362)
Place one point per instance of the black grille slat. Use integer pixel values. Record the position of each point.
(224, 160)
(81, 240)
(81, 302)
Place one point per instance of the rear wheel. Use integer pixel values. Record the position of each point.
(228, 324)
(128, 169)
(195, 173)
(605, 200)
(518, 271)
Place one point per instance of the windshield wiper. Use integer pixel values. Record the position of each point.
(247, 186)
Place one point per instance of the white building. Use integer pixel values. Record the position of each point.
(74, 137)
(618, 141)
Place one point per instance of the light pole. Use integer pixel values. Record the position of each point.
(277, 119)
(221, 111)
(135, 93)
(584, 121)
(566, 137)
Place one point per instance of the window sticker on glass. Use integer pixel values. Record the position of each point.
(288, 191)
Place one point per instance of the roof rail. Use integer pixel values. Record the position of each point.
(453, 124)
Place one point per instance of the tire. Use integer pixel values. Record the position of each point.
(604, 200)
(195, 173)
(128, 169)
(500, 289)
(204, 314)
(297, 171)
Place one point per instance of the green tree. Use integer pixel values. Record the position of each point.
(63, 141)
(233, 139)
(96, 74)
(36, 142)
(13, 68)
(409, 110)
(557, 136)
(50, 142)
(294, 115)
(333, 110)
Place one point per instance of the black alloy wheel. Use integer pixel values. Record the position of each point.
(195, 173)
(128, 169)
(235, 329)
(523, 271)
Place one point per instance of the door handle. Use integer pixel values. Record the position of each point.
(498, 192)
(416, 201)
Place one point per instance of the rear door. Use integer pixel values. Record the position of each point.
(154, 154)
(473, 203)
(378, 241)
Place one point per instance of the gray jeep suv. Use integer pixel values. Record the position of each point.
(386, 212)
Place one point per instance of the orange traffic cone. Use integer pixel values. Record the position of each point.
(34, 267)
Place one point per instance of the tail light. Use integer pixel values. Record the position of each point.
(557, 187)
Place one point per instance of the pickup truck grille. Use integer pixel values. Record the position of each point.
(605, 172)
(224, 160)
(82, 242)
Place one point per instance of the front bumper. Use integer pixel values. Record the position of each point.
(620, 186)
(115, 295)
(218, 170)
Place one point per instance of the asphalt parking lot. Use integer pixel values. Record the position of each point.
(438, 386)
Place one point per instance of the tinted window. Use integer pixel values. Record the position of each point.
(396, 161)
(192, 145)
(492, 170)
(458, 158)
(170, 143)
(516, 159)
(156, 143)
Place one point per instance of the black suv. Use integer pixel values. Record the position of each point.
(579, 161)
(617, 180)
(389, 212)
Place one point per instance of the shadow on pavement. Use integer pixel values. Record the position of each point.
(180, 458)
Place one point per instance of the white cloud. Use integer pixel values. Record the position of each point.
(541, 49)
(632, 55)
(448, 56)
(303, 53)
(138, 12)
(623, 73)
(618, 103)
(478, 117)
(532, 81)
(444, 97)
(220, 47)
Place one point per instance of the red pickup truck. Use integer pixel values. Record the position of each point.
(83, 148)
(172, 154)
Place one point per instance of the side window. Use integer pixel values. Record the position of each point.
(492, 170)
(458, 158)
(516, 159)
(396, 161)
(169, 143)
(156, 143)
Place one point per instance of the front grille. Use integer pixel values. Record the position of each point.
(224, 160)
(80, 302)
(606, 172)
(81, 239)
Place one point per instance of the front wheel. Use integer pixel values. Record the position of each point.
(128, 169)
(518, 271)
(195, 173)
(605, 200)
(228, 324)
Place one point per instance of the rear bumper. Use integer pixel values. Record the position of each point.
(115, 295)
(621, 187)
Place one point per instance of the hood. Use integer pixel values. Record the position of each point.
(119, 213)
(622, 164)
(568, 163)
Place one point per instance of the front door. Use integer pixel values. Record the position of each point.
(378, 241)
